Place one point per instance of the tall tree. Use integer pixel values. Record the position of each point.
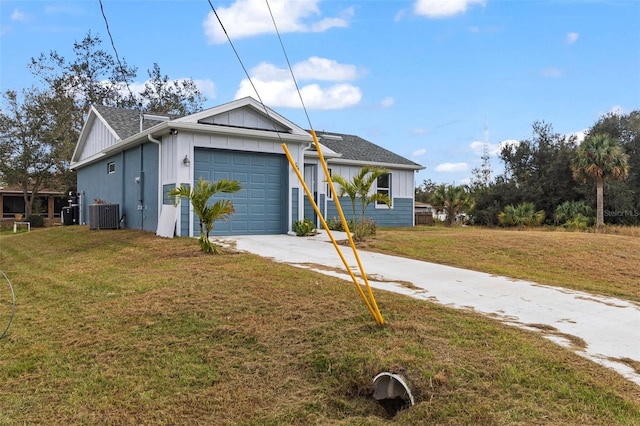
(32, 145)
(600, 158)
(540, 168)
(179, 97)
(622, 196)
(91, 77)
(425, 190)
(453, 200)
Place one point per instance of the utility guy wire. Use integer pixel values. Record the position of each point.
(371, 305)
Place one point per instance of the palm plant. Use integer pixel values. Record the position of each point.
(453, 200)
(600, 157)
(359, 187)
(199, 196)
(524, 214)
(573, 214)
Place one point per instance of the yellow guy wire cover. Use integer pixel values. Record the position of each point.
(377, 317)
(336, 199)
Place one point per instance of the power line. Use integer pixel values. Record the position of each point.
(289, 65)
(235, 51)
(124, 76)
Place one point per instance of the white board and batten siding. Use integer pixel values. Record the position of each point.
(402, 181)
(244, 117)
(98, 139)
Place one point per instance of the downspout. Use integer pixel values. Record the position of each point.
(301, 194)
(160, 194)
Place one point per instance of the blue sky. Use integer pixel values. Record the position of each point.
(422, 78)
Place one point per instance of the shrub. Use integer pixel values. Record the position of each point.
(304, 228)
(335, 224)
(36, 221)
(365, 229)
(524, 214)
(574, 215)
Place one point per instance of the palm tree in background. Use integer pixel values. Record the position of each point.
(524, 214)
(600, 157)
(453, 200)
(199, 196)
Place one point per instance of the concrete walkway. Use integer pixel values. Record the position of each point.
(603, 329)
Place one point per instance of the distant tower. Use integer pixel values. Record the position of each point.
(485, 173)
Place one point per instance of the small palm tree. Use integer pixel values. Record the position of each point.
(600, 157)
(199, 196)
(573, 214)
(524, 214)
(359, 187)
(453, 200)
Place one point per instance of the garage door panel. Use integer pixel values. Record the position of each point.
(261, 205)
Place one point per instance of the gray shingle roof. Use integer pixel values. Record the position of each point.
(126, 122)
(355, 148)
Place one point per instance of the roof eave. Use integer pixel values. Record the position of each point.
(240, 131)
(378, 164)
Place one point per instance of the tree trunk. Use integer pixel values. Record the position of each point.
(600, 203)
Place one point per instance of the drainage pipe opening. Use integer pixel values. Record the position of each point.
(392, 392)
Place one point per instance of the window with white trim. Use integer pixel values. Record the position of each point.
(329, 192)
(383, 186)
(111, 167)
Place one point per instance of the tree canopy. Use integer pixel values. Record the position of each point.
(598, 158)
(39, 129)
(540, 170)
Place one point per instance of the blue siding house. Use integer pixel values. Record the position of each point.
(130, 159)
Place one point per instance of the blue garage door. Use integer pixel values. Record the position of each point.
(261, 205)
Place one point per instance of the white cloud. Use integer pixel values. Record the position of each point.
(247, 18)
(508, 142)
(316, 68)
(478, 148)
(19, 16)
(419, 152)
(452, 167)
(572, 38)
(387, 102)
(617, 110)
(579, 135)
(551, 72)
(207, 87)
(443, 8)
(277, 89)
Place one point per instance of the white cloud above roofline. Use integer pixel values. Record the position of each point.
(435, 9)
(248, 18)
(324, 85)
(452, 167)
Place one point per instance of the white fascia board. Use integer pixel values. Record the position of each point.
(375, 164)
(239, 103)
(239, 131)
(78, 164)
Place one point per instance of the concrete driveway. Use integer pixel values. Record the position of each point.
(603, 329)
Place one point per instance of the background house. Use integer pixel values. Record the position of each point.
(133, 160)
(49, 202)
